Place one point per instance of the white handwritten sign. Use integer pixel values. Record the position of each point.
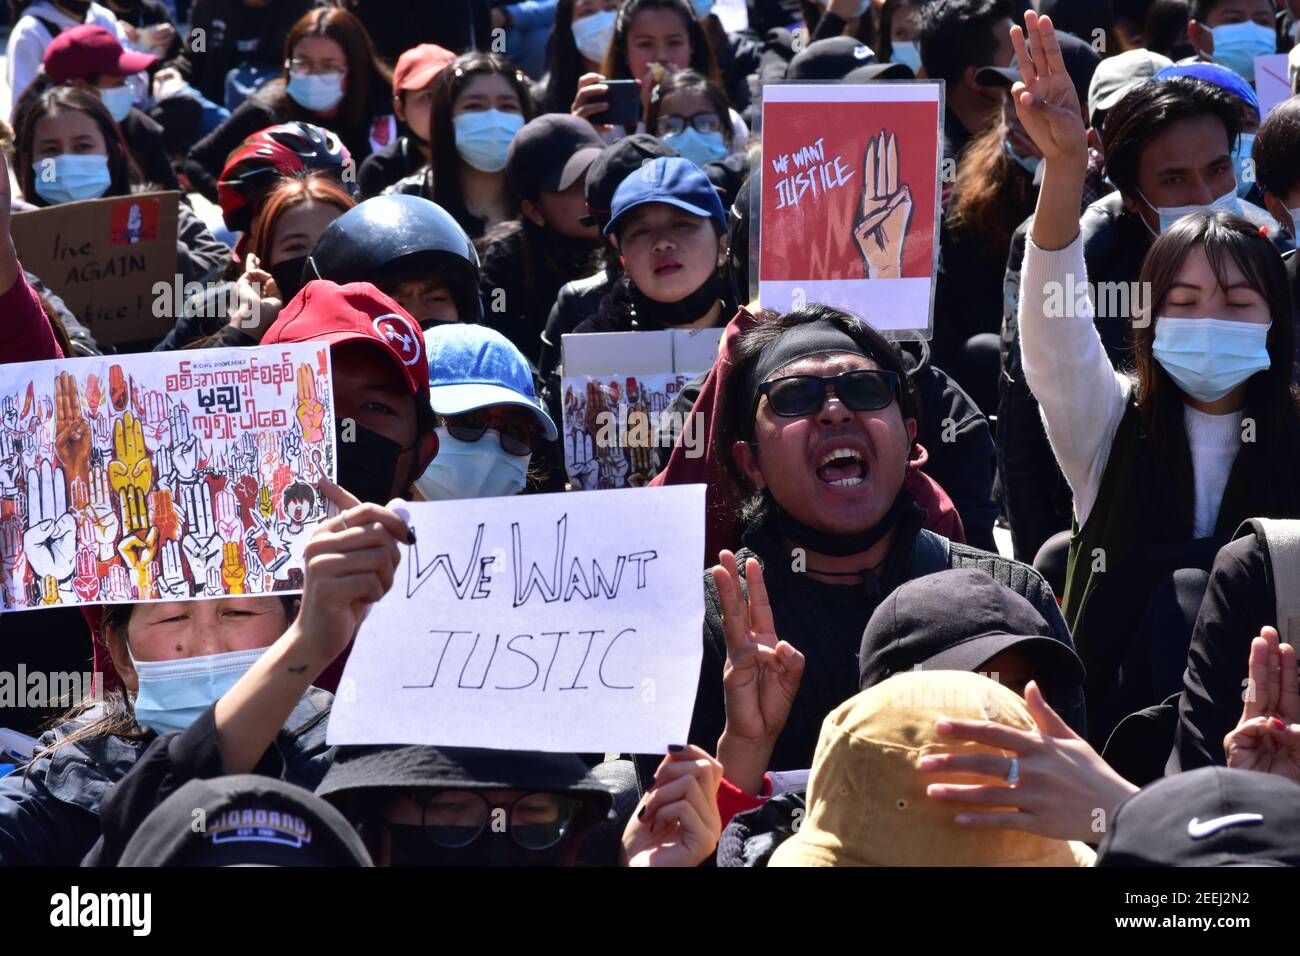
(1272, 81)
(557, 623)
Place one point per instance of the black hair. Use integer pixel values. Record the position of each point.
(1146, 111)
(1277, 149)
(299, 491)
(956, 34)
(736, 406)
(1165, 28)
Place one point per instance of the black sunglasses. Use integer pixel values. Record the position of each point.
(863, 390)
(516, 438)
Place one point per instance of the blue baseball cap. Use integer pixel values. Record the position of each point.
(1220, 76)
(472, 366)
(672, 180)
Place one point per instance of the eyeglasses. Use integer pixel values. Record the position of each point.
(516, 438)
(863, 390)
(456, 818)
(702, 122)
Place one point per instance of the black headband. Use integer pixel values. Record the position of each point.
(809, 338)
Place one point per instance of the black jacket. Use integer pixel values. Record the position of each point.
(384, 167)
(1035, 496)
(752, 837)
(220, 21)
(959, 441)
(519, 286)
(299, 756)
(825, 622)
(53, 815)
(1239, 601)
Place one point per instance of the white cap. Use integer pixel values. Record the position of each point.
(1116, 75)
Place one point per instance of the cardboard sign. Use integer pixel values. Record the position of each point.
(618, 389)
(1272, 82)
(847, 204)
(163, 476)
(103, 258)
(560, 623)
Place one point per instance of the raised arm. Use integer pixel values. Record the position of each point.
(1081, 395)
(351, 560)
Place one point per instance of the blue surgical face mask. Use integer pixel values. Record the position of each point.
(702, 8)
(592, 34)
(1208, 358)
(174, 694)
(1237, 44)
(72, 177)
(1169, 215)
(472, 469)
(483, 137)
(907, 53)
(1028, 163)
(317, 92)
(699, 148)
(118, 100)
(1241, 161)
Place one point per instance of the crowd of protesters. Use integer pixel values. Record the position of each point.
(1008, 596)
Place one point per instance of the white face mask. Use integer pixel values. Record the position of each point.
(118, 100)
(1169, 215)
(592, 33)
(472, 469)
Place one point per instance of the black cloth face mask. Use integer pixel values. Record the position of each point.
(683, 311)
(368, 463)
(835, 545)
(288, 276)
(410, 847)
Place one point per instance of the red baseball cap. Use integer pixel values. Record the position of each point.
(417, 67)
(325, 311)
(90, 50)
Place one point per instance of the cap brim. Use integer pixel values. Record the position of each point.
(133, 61)
(997, 76)
(1048, 654)
(574, 169)
(875, 72)
(466, 397)
(665, 200)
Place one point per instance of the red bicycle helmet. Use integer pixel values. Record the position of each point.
(253, 167)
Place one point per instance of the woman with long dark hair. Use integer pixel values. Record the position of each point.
(581, 37)
(480, 102)
(332, 78)
(1204, 434)
(68, 148)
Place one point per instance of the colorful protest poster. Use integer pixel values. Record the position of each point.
(162, 476)
(619, 388)
(562, 623)
(847, 205)
(1272, 81)
(104, 258)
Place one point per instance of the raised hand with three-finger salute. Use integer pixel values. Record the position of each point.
(1048, 107)
(760, 678)
(350, 563)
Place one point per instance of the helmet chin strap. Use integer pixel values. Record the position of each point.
(311, 261)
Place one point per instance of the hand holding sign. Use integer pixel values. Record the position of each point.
(881, 229)
(678, 823)
(761, 676)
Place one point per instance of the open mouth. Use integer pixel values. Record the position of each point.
(842, 468)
